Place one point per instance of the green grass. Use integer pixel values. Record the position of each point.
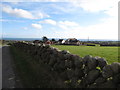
(109, 53)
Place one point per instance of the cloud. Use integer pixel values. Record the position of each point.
(15, 3)
(39, 14)
(17, 12)
(63, 8)
(10, 20)
(113, 11)
(23, 13)
(107, 29)
(25, 28)
(107, 6)
(12, 0)
(33, 0)
(49, 21)
(4, 20)
(36, 26)
(94, 5)
(67, 24)
(62, 24)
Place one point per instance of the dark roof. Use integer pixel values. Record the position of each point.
(72, 40)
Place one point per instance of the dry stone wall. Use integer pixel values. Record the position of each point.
(74, 71)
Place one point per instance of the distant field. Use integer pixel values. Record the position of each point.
(109, 53)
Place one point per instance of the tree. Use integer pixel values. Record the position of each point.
(60, 40)
(44, 38)
(53, 40)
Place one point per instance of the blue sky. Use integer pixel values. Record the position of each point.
(78, 19)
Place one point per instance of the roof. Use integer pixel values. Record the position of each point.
(72, 40)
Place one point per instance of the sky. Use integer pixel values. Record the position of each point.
(96, 19)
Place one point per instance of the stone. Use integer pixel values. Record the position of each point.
(107, 71)
(92, 76)
(47, 46)
(116, 79)
(101, 62)
(74, 82)
(62, 65)
(86, 70)
(108, 84)
(86, 58)
(100, 80)
(115, 67)
(64, 76)
(118, 86)
(92, 63)
(83, 83)
(68, 56)
(59, 66)
(64, 52)
(52, 61)
(70, 73)
(68, 64)
(79, 73)
(55, 67)
(78, 62)
(92, 86)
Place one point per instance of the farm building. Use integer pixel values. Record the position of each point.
(73, 41)
(48, 42)
(61, 41)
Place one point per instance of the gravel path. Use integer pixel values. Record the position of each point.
(9, 79)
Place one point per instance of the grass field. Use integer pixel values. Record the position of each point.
(109, 53)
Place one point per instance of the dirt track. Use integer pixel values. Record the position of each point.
(8, 74)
